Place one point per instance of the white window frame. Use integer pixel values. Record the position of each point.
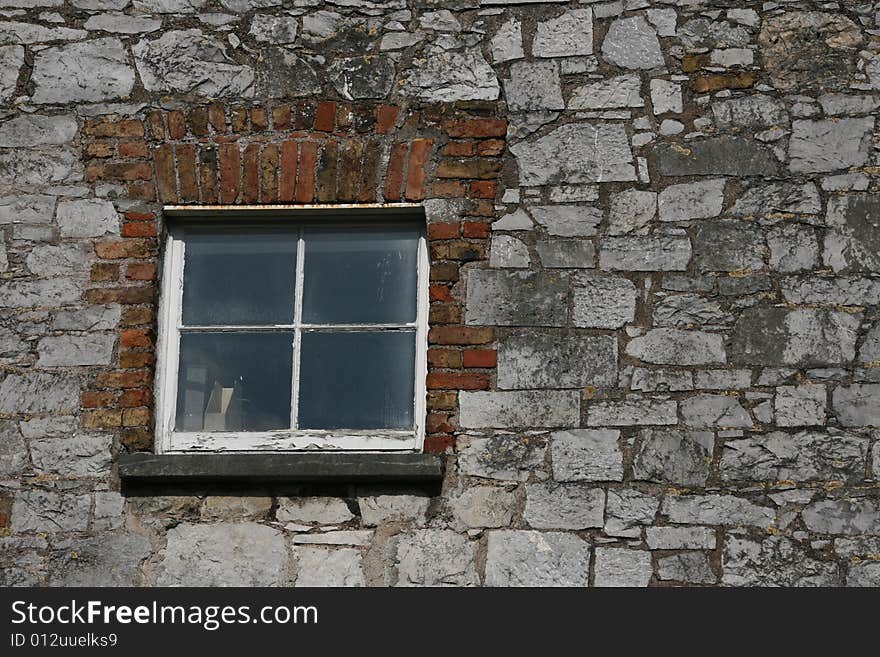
(170, 327)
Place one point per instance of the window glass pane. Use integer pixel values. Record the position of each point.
(239, 278)
(360, 276)
(357, 380)
(234, 381)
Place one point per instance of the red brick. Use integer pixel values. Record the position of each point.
(439, 444)
(134, 338)
(457, 250)
(480, 168)
(490, 147)
(123, 379)
(460, 335)
(349, 170)
(136, 417)
(133, 149)
(156, 122)
(259, 119)
(133, 215)
(483, 189)
(448, 189)
(458, 381)
(140, 191)
(439, 423)
(444, 271)
(442, 400)
(448, 358)
(102, 419)
(141, 271)
(127, 248)
(325, 183)
(444, 313)
(440, 293)
(110, 128)
(459, 149)
(104, 271)
(229, 173)
(139, 229)
(137, 316)
(176, 124)
(386, 117)
(476, 229)
(481, 208)
(480, 358)
(250, 174)
(99, 149)
(217, 117)
(93, 399)
(325, 116)
(445, 231)
(394, 174)
(198, 121)
(370, 172)
(136, 359)
(186, 172)
(208, 175)
(163, 160)
(344, 115)
(304, 118)
(305, 177)
(136, 397)
(269, 174)
(415, 177)
(287, 183)
(122, 295)
(281, 117)
(238, 120)
(476, 128)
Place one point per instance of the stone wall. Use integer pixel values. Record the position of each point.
(655, 340)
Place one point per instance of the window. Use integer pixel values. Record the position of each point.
(301, 331)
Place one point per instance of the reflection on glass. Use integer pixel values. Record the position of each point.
(239, 278)
(234, 381)
(357, 380)
(366, 276)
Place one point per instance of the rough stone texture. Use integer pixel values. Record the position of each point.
(528, 558)
(322, 567)
(548, 360)
(689, 567)
(622, 91)
(85, 455)
(774, 561)
(534, 86)
(678, 347)
(716, 510)
(563, 506)
(852, 243)
(621, 567)
(799, 406)
(732, 246)
(680, 538)
(632, 43)
(516, 298)
(565, 36)
(627, 510)
(451, 76)
(318, 510)
(829, 145)
(436, 557)
(11, 60)
(857, 405)
(850, 517)
(378, 509)
(510, 457)
(630, 211)
(587, 455)
(604, 302)
(89, 71)
(227, 554)
(108, 560)
(700, 200)
(484, 506)
(520, 408)
(716, 156)
(661, 253)
(567, 220)
(676, 457)
(39, 510)
(69, 350)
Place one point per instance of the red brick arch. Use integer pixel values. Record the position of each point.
(293, 153)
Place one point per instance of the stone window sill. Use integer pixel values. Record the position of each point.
(279, 468)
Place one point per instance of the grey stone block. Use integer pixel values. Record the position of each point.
(621, 567)
(627, 510)
(632, 412)
(773, 561)
(46, 511)
(674, 347)
(73, 350)
(67, 73)
(714, 411)
(697, 200)
(549, 360)
(436, 557)
(587, 455)
(317, 510)
(818, 146)
(529, 558)
(681, 538)
(716, 510)
(109, 559)
(603, 301)
(673, 456)
(852, 243)
(521, 408)
(729, 246)
(632, 43)
(716, 156)
(507, 457)
(656, 253)
(338, 567)
(504, 298)
(689, 567)
(563, 506)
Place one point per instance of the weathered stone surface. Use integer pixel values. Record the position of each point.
(865, 573)
(567, 220)
(273, 29)
(529, 558)
(38, 392)
(13, 451)
(72, 350)
(690, 567)
(84, 455)
(506, 45)
(357, 78)
(620, 91)
(328, 31)
(91, 318)
(506, 457)
(696, 200)
(122, 23)
(483, 506)
(11, 60)
(508, 298)
(630, 211)
(38, 166)
(775, 198)
(716, 156)
(666, 97)
(23, 563)
(774, 561)
(749, 112)
(627, 510)
(803, 50)
(520, 408)
(675, 457)
(660, 380)
(622, 567)
(188, 61)
(550, 360)
(689, 311)
(38, 510)
(716, 510)
(508, 251)
(793, 248)
(563, 506)
(729, 246)
(631, 412)
(23, 33)
(356, 537)
(857, 405)
(852, 243)
(656, 253)
(112, 559)
(318, 510)
(587, 455)
(242, 6)
(24, 294)
(27, 209)
(28, 130)
(681, 538)
(800, 406)
(851, 517)
(60, 260)
(770, 336)
(603, 302)
(88, 71)
(566, 254)
(224, 554)
(379, 509)
(671, 346)
(805, 456)
(281, 74)
(632, 43)
(170, 6)
(436, 557)
(711, 411)
(576, 153)
(450, 76)
(567, 35)
(229, 507)
(817, 146)
(869, 352)
(109, 506)
(533, 86)
(335, 567)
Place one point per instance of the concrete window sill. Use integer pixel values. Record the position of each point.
(277, 468)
